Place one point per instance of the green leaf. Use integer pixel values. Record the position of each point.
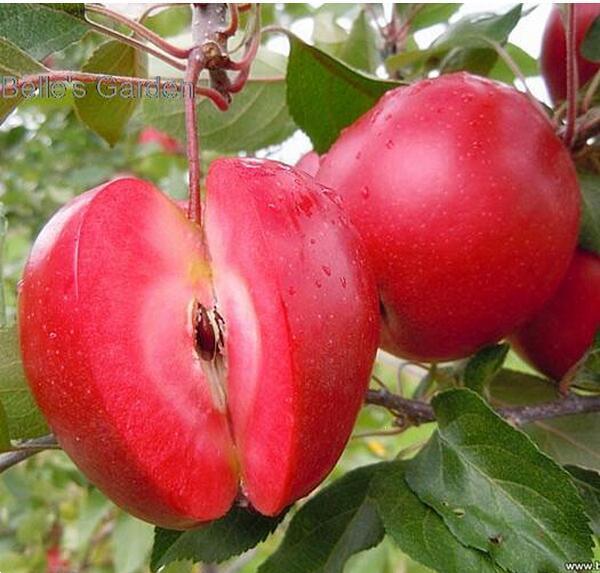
(432, 14)
(590, 47)
(588, 372)
(496, 491)
(14, 64)
(526, 63)
(24, 418)
(103, 108)
(240, 530)
(132, 542)
(481, 368)
(331, 527)
(571, 440)
(236, 129)
(41, 29)
(169, 22)
(417, 529)
(588, 484)
(324, 95)
(360, 49)
(589, 233)
(328, 35)
(5, 444)
(471, 31)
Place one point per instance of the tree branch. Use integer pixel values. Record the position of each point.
(417, 412)
(32, 447)
(587, 127)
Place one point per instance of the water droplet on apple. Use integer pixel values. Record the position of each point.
(326, 270)
(318, 284)
(52, 335)
(365, 191)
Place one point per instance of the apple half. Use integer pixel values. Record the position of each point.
(180, 369)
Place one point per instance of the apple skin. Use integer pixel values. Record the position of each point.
(553, 56)
(559, 335)
(168, 145)
(106, 317)
(468, 204)
(309, 163)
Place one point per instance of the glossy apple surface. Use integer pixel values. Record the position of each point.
(553, 56)
(469, 207)
(165, 142)
(119, 362)
(309, 163)
(559, 335)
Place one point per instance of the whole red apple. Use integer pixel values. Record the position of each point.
(469, 207)
(165, 142)
(554, 50)
(309, 163)
(559, 335)
(178, 368)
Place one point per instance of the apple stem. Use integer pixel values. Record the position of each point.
(572, 76)
(194, 67)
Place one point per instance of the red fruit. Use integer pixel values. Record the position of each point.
(121, 350)
(469, 207)
(558, 336)
(165, 142)
(309, 163)
(553, 57)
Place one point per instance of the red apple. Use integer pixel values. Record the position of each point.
(178, 371)
(469, 207)
(558, 336)
(309, 163)
(165, 142)
(554, 50)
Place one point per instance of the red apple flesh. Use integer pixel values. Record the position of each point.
(558, 336)
(118, 352)
(553, 57)
(469, 207)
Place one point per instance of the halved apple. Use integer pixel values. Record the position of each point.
(180, 368)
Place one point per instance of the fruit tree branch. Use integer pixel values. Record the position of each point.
(27, 449)
(588, 126)
(417, 412)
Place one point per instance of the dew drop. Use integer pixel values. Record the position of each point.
(318, 284)
(52, 335)
(365, 191)
(343, 282)
(326, 270)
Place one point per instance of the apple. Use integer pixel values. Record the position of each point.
(553, 56)
(183, 367)
(309, 163)
(468, 204)
(166, 143)
(559, 335)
